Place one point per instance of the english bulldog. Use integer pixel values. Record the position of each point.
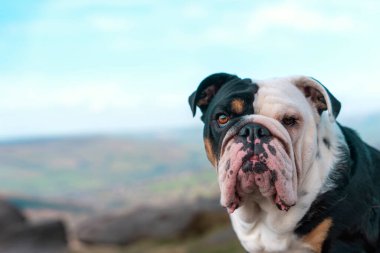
(290, 176)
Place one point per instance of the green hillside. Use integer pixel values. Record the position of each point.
(121, 170)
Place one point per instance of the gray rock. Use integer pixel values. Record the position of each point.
(9, 216)
(17, 235)
(146, 222)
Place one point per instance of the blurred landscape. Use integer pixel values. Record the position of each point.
(142, 192)
(121, 170)
(98, 149)
(88, 179)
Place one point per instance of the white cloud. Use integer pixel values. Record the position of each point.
(73, 26)
(69, 5)
(296, 16)
(36, 105)
(194, 11)
(52, 26)
(37, 93)
(190, 38)
(92, 96)
(110, 23)
(252, 23)
(255, 24)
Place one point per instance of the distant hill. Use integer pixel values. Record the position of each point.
(108, 171)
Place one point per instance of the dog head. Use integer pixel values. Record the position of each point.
(261, 136)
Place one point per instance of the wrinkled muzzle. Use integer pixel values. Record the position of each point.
(254, 164)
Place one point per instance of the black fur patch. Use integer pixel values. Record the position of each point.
(353, 205)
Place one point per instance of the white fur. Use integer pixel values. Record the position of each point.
(259, 225)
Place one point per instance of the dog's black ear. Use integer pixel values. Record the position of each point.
(207, 90)
(319, 95)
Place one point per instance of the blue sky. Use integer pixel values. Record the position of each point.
(87, 66)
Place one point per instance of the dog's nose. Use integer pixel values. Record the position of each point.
(254, 131)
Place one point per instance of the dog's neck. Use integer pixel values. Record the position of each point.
(261, 227)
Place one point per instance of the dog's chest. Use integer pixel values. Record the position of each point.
(258, 237)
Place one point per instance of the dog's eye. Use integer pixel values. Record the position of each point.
(222, 119)
(289, 121)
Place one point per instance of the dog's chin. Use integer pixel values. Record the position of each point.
(259, 169)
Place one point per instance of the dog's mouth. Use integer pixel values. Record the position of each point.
(260, 168)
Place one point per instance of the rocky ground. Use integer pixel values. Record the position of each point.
(20, 235)
(200, 225)
(196, 226)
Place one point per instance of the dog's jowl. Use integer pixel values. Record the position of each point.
(291, 178)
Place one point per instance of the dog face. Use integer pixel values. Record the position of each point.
(261, 136)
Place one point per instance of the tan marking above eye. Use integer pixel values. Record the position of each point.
(318, 235)
(237, 105)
